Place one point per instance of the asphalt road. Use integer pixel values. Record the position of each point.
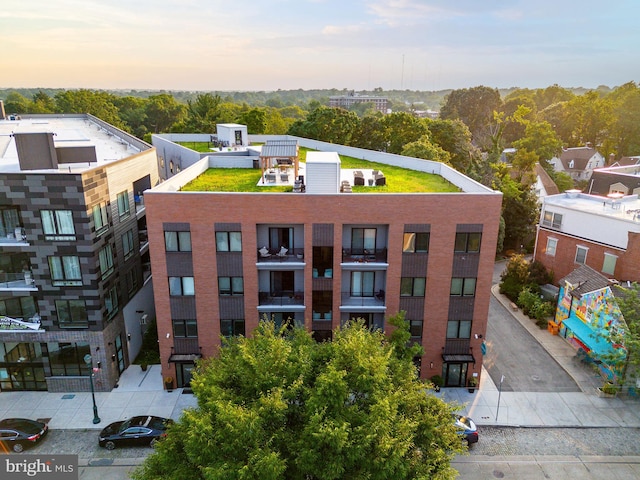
(514, 353)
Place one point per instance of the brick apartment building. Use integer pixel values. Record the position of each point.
(73, 251)
(602, 232)
(321, 253)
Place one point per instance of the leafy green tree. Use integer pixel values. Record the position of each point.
(540, 139)
(514, 277)
(132, 111)
(278, 406)
(424, 148)
(255, 119)
(372, 133)
(475, 107)
(97, 103)
(328, 124)
(42, 103)
(402, 128)
(16, 103)
(162, 112)
(563, 180)
(203, 113)
(624, 138)
(454, 137)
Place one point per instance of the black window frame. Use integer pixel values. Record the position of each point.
(465, 281)
(464, 240)
(62, 305)
(236, 327)
(412, 281)
(411, 241)
(184, 328)
(231, 290)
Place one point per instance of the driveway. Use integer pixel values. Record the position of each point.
(514, 353)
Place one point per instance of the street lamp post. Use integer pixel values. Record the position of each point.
(89, 361)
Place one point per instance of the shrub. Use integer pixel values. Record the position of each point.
(535, 307)
(515, 277)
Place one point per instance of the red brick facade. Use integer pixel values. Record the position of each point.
(443, 212)
(627, 265)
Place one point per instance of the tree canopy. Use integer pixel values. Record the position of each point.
(279, 405)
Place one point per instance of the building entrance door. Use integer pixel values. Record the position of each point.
(456, 373)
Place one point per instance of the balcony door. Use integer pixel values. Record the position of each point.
(282, 283)
(280, 237)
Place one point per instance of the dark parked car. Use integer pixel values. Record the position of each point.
(19, 433)
(143, 430)
(467, 428)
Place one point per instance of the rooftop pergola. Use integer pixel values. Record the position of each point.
(279, 153)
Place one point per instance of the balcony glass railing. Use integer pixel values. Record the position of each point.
(9, 281)
(281, 298)
(351, 300)
(351, 255)
(292, 255)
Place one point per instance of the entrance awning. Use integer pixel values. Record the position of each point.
(588, 336)
(458, 358)
(184, 357)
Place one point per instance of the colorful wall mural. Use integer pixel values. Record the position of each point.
(587, 323)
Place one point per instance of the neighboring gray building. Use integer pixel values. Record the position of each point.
(74, 261)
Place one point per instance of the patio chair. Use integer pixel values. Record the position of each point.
(283, 252)
(264, 252)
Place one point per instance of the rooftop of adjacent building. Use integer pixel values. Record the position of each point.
(623, 207)
(83, 130)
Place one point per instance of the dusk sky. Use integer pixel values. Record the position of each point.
(315, 44)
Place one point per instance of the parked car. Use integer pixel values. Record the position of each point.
(467, 428)
(20, 433)
(142, 430)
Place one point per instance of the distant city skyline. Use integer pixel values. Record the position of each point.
(318, 44)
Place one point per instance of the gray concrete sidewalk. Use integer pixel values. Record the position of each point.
(138, 393)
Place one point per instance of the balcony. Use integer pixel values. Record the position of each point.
(373, 302)
(281, 299)
(294, 255)
(350, 255)
(143, 238)
(15, 237)
(17, 281)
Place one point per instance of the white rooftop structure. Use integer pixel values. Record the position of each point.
(81, 132)
(607, 220)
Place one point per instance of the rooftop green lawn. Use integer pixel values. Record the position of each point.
(399, 180)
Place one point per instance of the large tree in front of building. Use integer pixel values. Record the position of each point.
(278, 405)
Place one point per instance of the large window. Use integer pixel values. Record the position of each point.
(111, 302)
(67, 359)
(609, 263)
(72, 314)
(463, 287)
(363, 239)
(281, 237)
(362, 284)
(459, 329)
(123, 204)
(131, 279)
(415, 243)
(412, 286)
(552, 245)
(185, 328)
(106, 261)
(100, 218)
(9, 221)
(18, 307)
(231, 285)
(58, 224)
(228, 241)
(581, 254)
(127, 244)
(231, 328)
(65, 270)
(550, 219)
(467, 242)
(177, 241)
(181, 286)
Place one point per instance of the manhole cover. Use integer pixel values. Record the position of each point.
(535, 378)
(498, 474)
